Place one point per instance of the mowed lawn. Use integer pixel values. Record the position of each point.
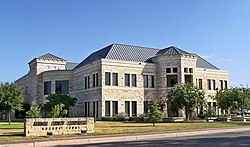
(14, 131)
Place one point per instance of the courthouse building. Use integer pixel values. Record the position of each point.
(120, 78)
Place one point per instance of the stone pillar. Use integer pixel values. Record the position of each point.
(53, 87)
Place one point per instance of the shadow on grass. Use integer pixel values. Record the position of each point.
(11, 128)
(130, 126)
(15, 120)
(6, 135)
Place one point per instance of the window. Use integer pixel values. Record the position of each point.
(152, 81)
(87, 82)
(96, 80)
(134, 108)
(47, 88)
(185, 70)
(149, 81)
(95, 109)
(214, 85)
(172, 80)
(93, 76)
(188, 79)
(190, 70)
(209, 84)
(127, 79)
(62, 87)
(145, 79)
(107, 108)
(115, 108)
(134, 80)
(127, 108)
(86, 106)
(225, 84)
(107, 78)
(175, 70)
(168, 70)
(200, 83)
(146, 106)
(115, 79)
(221, 84)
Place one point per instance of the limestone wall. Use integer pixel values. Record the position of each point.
(58, 126)
(89, 94)
(216, 75)
(44, 70)
(122, 93)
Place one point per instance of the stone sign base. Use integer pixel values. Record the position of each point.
(58, 126)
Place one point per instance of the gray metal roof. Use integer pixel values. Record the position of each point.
(139, 54)
(202, 63)
(95, 56)
(172, 51)
(131, 53)
(50, 56)
(70, 65)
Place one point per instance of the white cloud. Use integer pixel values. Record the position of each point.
(208, 56)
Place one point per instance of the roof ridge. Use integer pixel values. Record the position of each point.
(95, 55)
(50, 56)
(176, 49)
(135, 46)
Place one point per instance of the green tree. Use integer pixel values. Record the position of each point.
(155, 113)
(227, 99)
(187, 97)
(34, 112)
(234, 98)
(56, 99)
(58, 111)
(10, 98)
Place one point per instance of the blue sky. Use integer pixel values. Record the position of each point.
(72, 29)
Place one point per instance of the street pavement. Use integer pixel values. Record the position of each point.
(228, 139)
(221, 137)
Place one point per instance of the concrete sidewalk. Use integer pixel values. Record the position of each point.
(120, 137)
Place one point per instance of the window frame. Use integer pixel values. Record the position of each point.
(134, 80)
(115, 79)
(45, 89)
(107, 78)
(60, 83)
(127, 79)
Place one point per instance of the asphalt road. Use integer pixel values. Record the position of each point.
(237, 139)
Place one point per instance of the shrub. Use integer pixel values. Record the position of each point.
(123, 116)
(115, 118)
(112, 118)
(107, 118)
(34, 112)
(132, 118)
(201, 116)
(142, 118)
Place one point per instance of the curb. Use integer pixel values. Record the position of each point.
(120, 137)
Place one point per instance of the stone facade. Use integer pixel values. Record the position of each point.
(57, 126)
(131, 83)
